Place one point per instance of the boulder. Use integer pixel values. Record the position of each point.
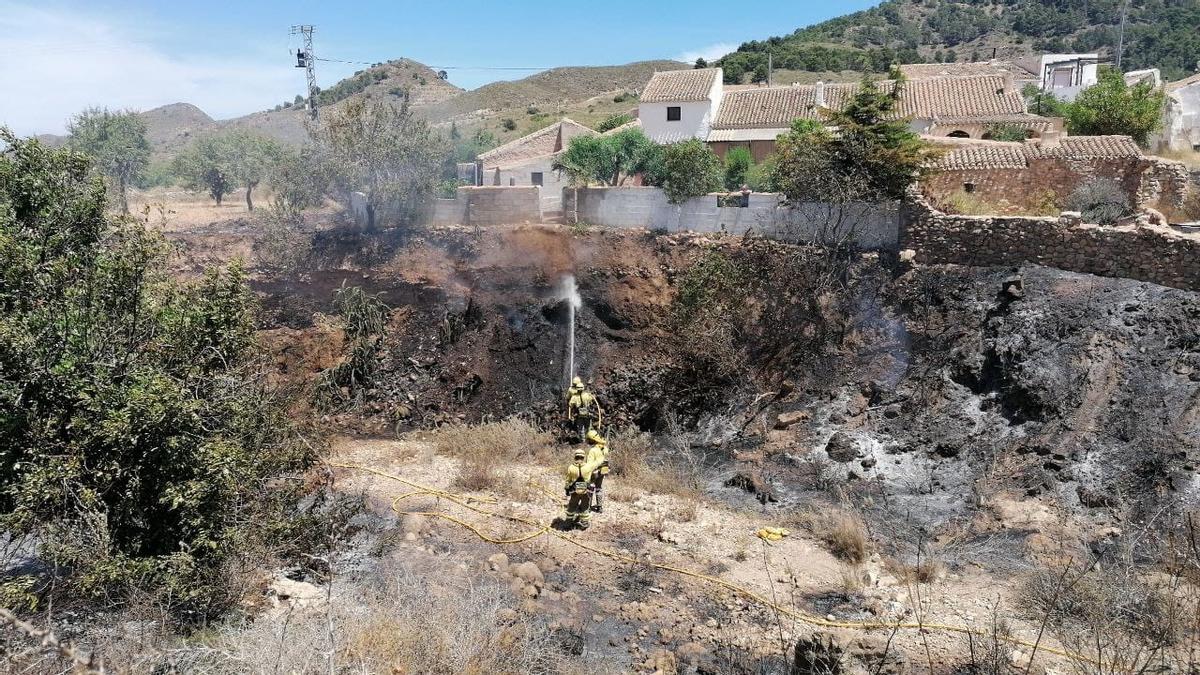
(842, 447)
(752, 482)
(818, 654)
(788, 419)
(529, 573)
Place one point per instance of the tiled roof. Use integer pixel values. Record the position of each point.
(1180, 84)
(680, 85)
(756, 134)
(979, 97)
(990, 156)
(920, 71)
(1089, 147)
(545, 141)
(1023, 120)
(977, 155)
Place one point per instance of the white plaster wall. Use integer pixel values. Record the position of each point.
(871, 226)
(695, 119)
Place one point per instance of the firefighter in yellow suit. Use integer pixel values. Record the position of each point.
(597, 452)
(579, 490)
(583, 410)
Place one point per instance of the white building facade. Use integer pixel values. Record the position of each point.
(680, 104)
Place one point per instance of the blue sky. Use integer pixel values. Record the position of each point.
(232, 58)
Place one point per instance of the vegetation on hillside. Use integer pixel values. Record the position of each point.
(141, 451)
(1158, 34)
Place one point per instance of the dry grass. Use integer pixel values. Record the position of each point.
(927, 572)
(843, 534)
(481, 448)
(634, 464)
(1191, 158)
(852, 579)
(973, 205)
(404, 621)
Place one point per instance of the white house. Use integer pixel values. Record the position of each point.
(1065, 75)
(1181, 115)
(680, 104)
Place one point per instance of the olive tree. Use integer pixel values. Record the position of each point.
(386, 153)
(219, 162)
(116, 143)
(610, 159)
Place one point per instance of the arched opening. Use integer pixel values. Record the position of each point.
(958, 133)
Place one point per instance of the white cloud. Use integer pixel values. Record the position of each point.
(709, 53)
(57, 62)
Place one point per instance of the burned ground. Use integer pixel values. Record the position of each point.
(920, 386)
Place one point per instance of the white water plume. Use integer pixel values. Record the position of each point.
(568, 292)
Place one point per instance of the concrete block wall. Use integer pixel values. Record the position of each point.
(869, 225)
(489, 205)
(503, 205)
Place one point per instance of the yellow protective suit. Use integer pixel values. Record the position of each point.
(579, 490)
(583, 410)
(597, 452)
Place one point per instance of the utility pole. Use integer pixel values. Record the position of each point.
(306, 60)
(1121, 34)
(770, 68)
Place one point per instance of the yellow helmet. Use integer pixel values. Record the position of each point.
(594, 437)
(580, 453)
(577, 382)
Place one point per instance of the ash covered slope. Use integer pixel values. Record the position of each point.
(914, 383)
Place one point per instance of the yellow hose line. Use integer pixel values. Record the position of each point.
(740, 590)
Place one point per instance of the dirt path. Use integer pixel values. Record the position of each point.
(647, 614)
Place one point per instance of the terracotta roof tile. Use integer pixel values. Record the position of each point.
(542, 142)
(1089, 147)
(976, 155)
(990, 156)
(680, 85)
(979, 97)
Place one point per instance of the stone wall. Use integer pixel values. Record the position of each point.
(489, 206)
(1140, 251)
(871, 226)
(1048, 181)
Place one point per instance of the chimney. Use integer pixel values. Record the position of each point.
(1051, 139)
(819, 94)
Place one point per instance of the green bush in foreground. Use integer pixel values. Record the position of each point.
(139, 447)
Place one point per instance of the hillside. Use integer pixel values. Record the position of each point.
(589, 94)
(1162, 34)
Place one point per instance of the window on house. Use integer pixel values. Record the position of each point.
(536, 178)
(1061, 77)
(674, 113)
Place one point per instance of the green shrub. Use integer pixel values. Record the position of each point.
(690, 169)
(614, 122)
(738, 163)
(140, 446)
(508, 124)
